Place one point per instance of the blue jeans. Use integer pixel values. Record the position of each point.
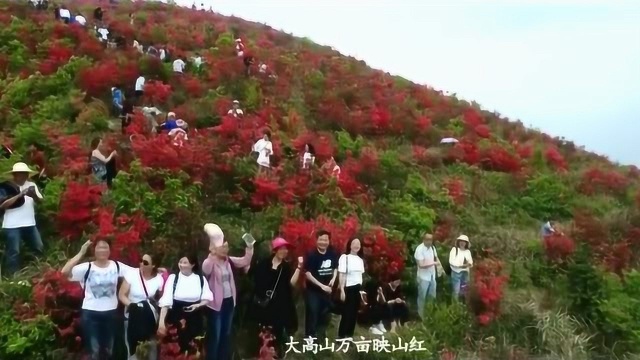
(219, 331)
(98, 328)
(425, 288)
(13, 238)
(458, 282)
(317, 314)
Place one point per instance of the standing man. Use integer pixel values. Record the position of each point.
(321, 271)
(19, 222)
(426, 260)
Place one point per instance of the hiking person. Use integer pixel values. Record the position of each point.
(351, 271)
(218, 269)
(273, 306)
(309, 156)
(460, 261)
(103, 168)
(139, 293)
(19, 221)
(235, 111)
(321, 265)
(427, 260)
(99, 280)
(264, 148)
(185, 295)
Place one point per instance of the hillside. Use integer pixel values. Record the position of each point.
(572, 296)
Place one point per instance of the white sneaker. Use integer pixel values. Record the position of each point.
(375, 331)
(381, 327)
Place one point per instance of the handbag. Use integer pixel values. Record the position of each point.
(264, 302)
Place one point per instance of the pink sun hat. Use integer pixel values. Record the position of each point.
(278, 243)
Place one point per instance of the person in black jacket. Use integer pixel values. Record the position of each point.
(273, 305)
(97, 14)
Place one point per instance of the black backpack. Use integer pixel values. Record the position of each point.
(175, 284)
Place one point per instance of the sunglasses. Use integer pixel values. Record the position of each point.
(144, 262)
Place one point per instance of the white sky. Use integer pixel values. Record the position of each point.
(569, 68)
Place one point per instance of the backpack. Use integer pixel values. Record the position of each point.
(447, 266)
(175, 284)
(86, 276)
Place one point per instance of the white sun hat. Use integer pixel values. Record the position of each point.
(463, 238)
(182, 124)
(21, 167)
(216, 236)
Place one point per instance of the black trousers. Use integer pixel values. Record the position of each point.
(192, 328)
(317, 312)
(111, 171)
(349, 311)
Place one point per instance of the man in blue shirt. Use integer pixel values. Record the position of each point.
(117, 99)
(548, 229)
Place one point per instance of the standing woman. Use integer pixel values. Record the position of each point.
(185, 294)
(264, 148)
(99, 279)
(103, 168)
(460, 261)
(274, 279)
(309, 156)
(351, 271)
(219, 271)
(139, 293)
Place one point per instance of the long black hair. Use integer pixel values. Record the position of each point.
(193, 260)
(347, 251)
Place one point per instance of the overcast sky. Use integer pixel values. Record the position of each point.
(568, 68)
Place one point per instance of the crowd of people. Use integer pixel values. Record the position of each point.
(200, 298)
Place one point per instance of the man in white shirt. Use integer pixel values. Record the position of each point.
(197, 61)
(65, 14)
(19, 221)
(81, 20)
(426, 260)
(179, 65)
(236, 111)
(103, 33)
(140, 86)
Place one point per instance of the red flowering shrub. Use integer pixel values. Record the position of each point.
(61, 300)
(488, 286)
(497, 158)
(156, 93)
(555, 159)
(77, 208)
(455, 190)
(483, 131)
(558, 247)
(125, 231)
(597, 180)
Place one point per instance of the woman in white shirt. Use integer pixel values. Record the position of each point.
(351, 271)
(309, 156)
(99, 279)
(185, 294)
(139, 294)
(264, 148)
(460, 261)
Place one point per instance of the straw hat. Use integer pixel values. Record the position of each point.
(21, 167)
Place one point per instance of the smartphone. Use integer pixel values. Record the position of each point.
(248, 239)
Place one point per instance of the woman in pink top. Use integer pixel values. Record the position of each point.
(218, 269)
